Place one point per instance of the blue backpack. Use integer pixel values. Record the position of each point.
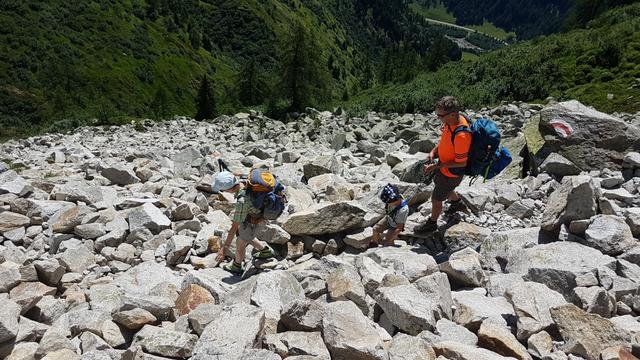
(486, 157)
(266, 193)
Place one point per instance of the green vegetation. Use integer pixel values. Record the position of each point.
(492, 30)
(586, 64)
(436, 11)
(64, 64)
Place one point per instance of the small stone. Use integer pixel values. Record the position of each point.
(134, 319)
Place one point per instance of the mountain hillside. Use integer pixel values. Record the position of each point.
(64, 63)
(597, 65)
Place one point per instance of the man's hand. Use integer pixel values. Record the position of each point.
(429, 168)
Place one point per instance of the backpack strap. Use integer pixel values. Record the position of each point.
(395, 210)
(458, 130)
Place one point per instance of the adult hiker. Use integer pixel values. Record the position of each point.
(448, 159)
(246, 222)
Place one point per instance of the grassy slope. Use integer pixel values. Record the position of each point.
(63, 64)
(571, 65)
(490, 29)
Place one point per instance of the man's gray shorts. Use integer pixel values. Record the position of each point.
(248, 231)
(444, 185)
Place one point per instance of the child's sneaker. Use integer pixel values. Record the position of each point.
(233, 268)
(264, 253)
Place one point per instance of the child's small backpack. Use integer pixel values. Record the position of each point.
(266, 193)
(486, 157)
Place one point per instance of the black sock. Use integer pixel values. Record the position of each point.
(455, 201)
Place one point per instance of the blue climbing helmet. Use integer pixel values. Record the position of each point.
(390, 193)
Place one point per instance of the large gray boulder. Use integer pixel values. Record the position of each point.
(587, 335)
(590, 139)
(325, 218)
(349, 335)
(464, 268)
(458, 351)
(559, 265)
(148, 216)
(531, 302)
(610, 234)
(163, 342)
(406, 347)
(297, 343)
(273, 290)
(219, 338)
(473, 307)
(407, 309)
(325, 164)
(575, 199)
(9, 315)
(120, 175)
(405, 262)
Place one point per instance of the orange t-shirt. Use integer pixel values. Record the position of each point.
(456, 151)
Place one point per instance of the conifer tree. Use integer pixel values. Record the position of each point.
(304, 80)
(205, 101)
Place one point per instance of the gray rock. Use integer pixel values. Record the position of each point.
(344, 284)
(134, 319)
(596, 300)
(25, 350)
(501, 340)
(559, 166)
(49, 271)
(632, 216)
(292, 343)
(77, 259)
(371, 273)
(500, 248)
(177, 248)
(90, 342)
(54, 340)
(631, 160)
(405, 347)
(303, 315)
(462, 235)
(49, 309)
(325, 219)
(473, 307)
(621, 195)
(531, 302)
(348, 334)
(437, 290)
(12, 183)
(27, 294)
(540, 344)
(9, 315)
(575, 199)
(90, 231)
(273, 290)
(405, 306)
(455, 350)
(405, 262)
(10, 221)
(559, 265)
(450, 331)
(588, 138)
(587, 334)
(325, 164)
(609, 234)
(220, 338)
(159, 306)
(359, 240)
(30, 330)
(148, 216)
(522, 209)
(120, 175)
(273, 234)
(464, 268)
(9, 276)
(159, 341)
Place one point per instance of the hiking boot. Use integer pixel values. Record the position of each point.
(233, 268)
(427, 227)
(456, 206)
(264, 253)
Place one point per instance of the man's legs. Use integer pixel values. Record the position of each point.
(241, 247)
